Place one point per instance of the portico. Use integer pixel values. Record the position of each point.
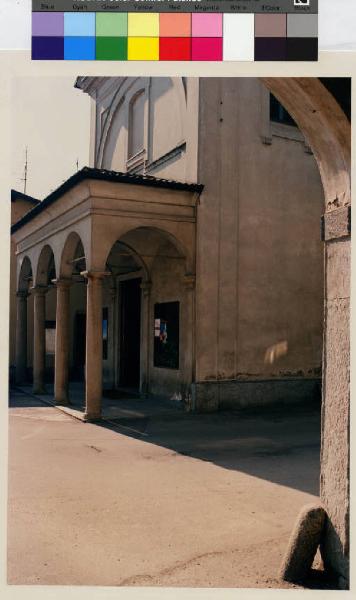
(104, 229)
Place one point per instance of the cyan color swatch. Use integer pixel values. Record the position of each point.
(79, 24)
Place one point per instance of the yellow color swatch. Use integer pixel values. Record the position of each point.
(143, 48)
(145, 25)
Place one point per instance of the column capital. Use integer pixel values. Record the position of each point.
(39, 290)
(146, 287)
(95, 275)
(189, 281)
(62, 283)
(336, 224)
(22, 294)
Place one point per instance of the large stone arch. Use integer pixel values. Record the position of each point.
(325, 128)
(328, 132)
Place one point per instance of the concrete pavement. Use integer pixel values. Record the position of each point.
(167, 500)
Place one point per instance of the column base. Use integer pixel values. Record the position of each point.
(39, 391)
(62, 402)
(91, 416)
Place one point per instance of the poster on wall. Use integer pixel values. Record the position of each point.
(166, 335)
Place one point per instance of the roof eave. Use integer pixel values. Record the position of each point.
(87, 173)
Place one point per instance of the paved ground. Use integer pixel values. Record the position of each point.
(123, 404)
(167, 500)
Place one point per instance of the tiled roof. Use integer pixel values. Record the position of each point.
(15, 195)
(104, 175)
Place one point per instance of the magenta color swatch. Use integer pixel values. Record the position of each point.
(207, 48)
(207, 25)
(48, 24)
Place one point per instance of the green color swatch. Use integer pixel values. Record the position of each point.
(111, 48)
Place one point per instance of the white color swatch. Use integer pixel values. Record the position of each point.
(239, 41)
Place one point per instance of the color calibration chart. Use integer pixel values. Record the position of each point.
(175, 30)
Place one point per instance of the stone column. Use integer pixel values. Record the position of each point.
(145, 336)
(188, 325)
(94, 345)
(61, 358)
(39, 339)
(335, 434)
(21, 337)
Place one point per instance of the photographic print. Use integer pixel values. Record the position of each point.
(179, 332)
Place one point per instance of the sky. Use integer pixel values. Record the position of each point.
(337, 29)
(52, 119)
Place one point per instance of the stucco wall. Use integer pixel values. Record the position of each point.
(260, 258)
(170, 124)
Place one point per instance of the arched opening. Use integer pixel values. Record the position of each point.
(72, 265)
(24, 324)
(45, 278)
(25, 275)
(143, 304)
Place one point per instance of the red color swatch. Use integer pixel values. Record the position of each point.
(175, 48)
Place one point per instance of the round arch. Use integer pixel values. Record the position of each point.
(137, 257)
(107, 244)
(72, 245)
(46, 268)
(25, 274)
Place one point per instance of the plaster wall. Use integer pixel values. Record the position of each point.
(259, 254)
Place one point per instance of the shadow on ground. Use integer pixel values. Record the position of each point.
(280, 444)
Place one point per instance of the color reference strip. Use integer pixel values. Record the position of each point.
(180, 37)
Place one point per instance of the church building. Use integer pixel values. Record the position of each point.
(186, 261)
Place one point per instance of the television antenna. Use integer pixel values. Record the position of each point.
(24, 179)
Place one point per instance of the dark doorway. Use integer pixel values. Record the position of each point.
(79, 347)
(130, 337)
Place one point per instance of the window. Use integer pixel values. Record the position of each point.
(278, 113)
(166, 335)
(136, 124)
(340, 88)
